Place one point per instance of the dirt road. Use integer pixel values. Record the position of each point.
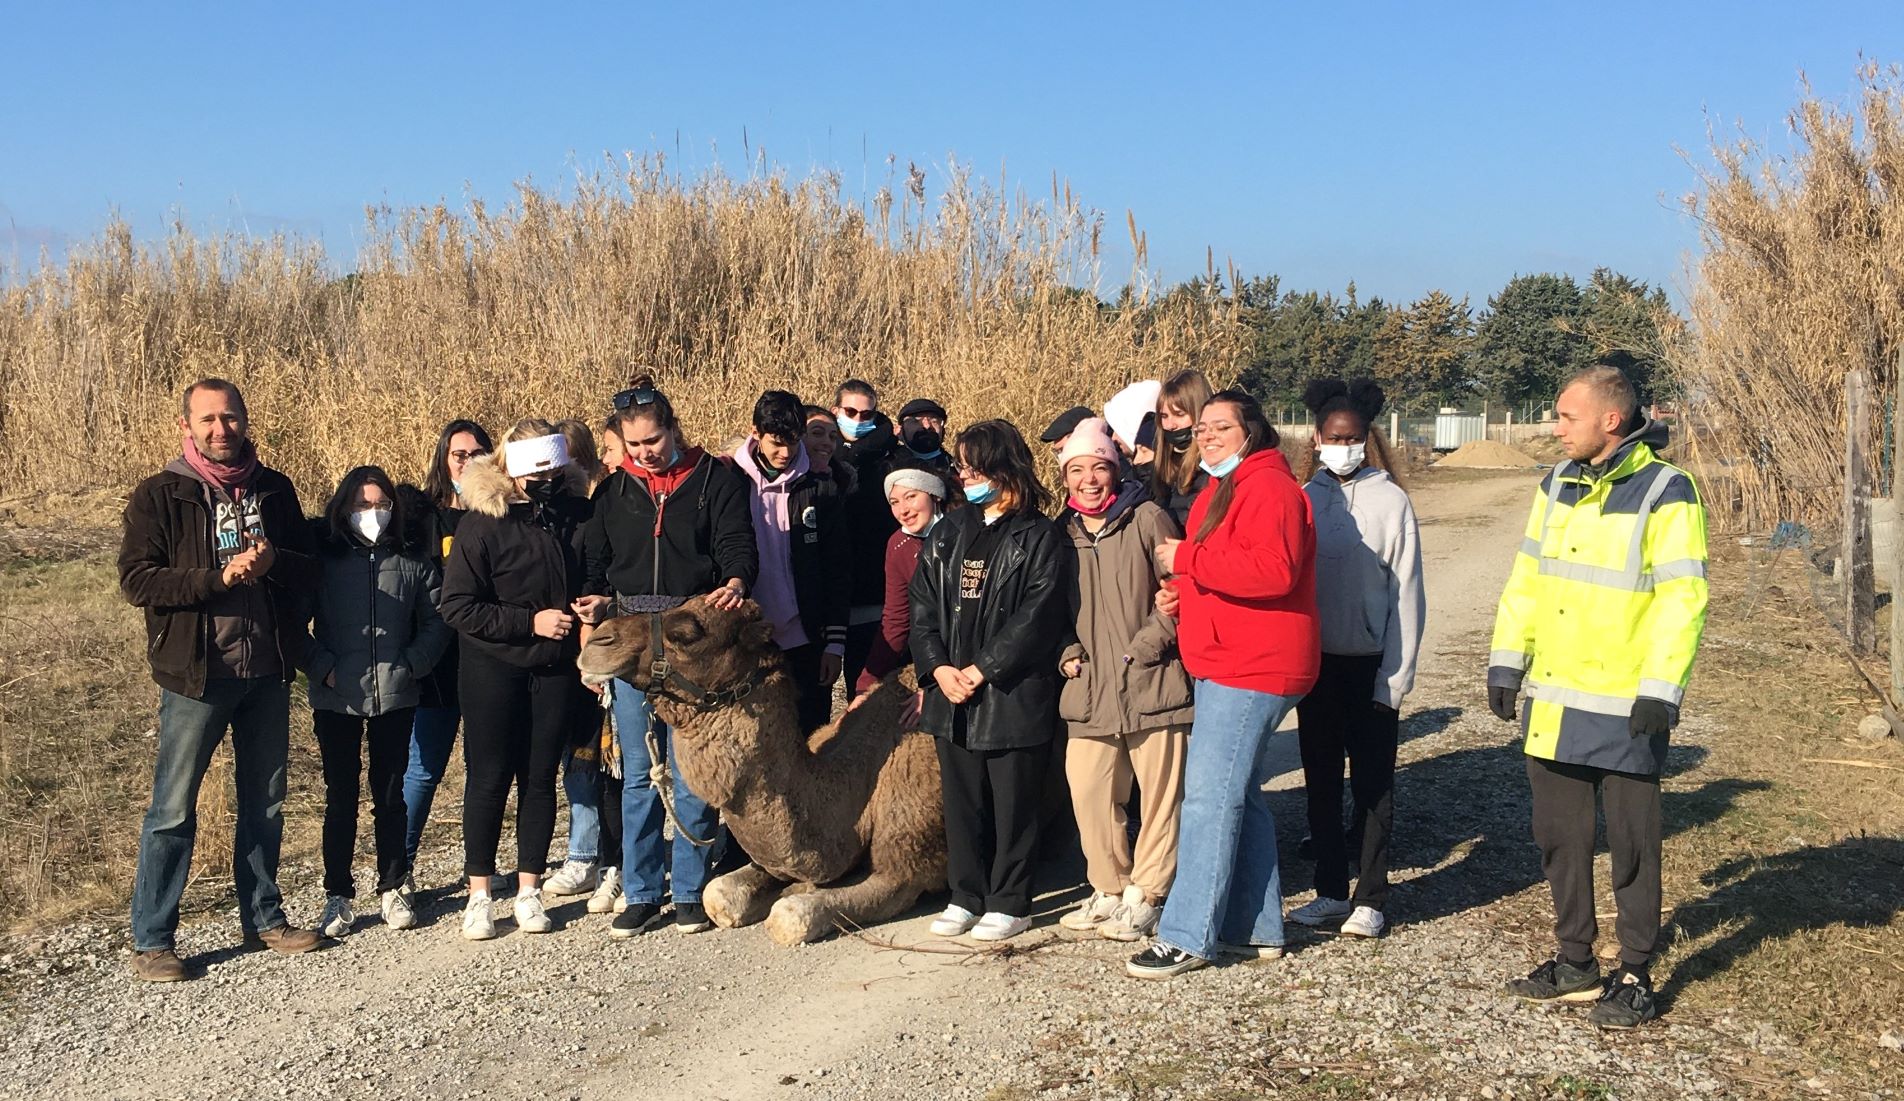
(425, 1014)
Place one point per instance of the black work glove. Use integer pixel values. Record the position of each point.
(1652, 718)
(1501, 700)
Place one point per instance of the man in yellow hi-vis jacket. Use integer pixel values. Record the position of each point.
(1597, 629)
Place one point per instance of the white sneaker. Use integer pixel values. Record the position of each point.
(398, 913)
(1366, 921)
(1092, 912)
(956, 921)
(479, 919)
(621, 902)
(607, 894)
(530, 916)
(1135, 919)
(337, 918)
(575, 877)
(1321, 910)
(1252, 951)
(997, 926)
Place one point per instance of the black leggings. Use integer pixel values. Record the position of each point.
(516, 725)
(1339, 720)
(340, 744)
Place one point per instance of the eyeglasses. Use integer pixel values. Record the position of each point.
(633, 396)
(853, 414)
(465, 456)
(1202, 430)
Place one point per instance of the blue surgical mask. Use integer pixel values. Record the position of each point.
(981, 493)
(1222, 469)
(456, 488)
(854, 429)
(927, 530)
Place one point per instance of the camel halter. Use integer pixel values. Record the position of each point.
(660, 676)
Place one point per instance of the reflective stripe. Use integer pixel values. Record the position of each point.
(1530, 548)
(1507, 659)
(1662, 690)
(1684, 567)
(1595, 575)
(1635, 549)
(1581, 701)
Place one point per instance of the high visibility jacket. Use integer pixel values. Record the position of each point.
(1605, 605)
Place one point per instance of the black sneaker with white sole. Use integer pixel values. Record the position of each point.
(1161, 961)
(1558, 981)
(633, 921)
(1628, 1001)
(691, 917)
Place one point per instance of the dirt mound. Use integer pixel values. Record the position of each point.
(1486, 455)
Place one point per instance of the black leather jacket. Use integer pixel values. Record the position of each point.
(1023, 622)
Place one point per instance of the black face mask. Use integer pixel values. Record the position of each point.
(543, 490)
(925, 441)
(1179, 438)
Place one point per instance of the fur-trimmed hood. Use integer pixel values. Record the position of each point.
(488, 489)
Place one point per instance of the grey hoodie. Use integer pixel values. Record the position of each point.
(1369, 591)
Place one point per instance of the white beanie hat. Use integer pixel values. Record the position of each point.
(912, 477)
(535, 455)
(1128, 407)
(1091, 439)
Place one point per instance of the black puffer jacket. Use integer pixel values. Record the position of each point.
(1024, 620)
(869, 519)
(434, 530)
(509, 561)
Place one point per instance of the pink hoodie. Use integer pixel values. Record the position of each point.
(773, 530)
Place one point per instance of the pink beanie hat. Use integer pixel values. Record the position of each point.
(1091, 439)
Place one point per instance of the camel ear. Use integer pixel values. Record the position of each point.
(757, 633)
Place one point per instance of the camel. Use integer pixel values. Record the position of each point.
(846, 827)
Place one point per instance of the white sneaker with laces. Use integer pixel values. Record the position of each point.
(1366, 921)
(479, 919)
(398, 913)
(607, 894)
(997, 926)
(955, 921)
(1135, 919)
(1092, 912)
(337, 918)
(1321, 910)
(530, 916)
(575, 877)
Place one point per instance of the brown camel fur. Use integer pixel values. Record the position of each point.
(845, 827)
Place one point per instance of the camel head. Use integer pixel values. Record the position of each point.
(715, 650)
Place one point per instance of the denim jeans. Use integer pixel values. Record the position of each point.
(1229, 885)
(585, 811)
(645, 863)
(257, 711)
(432, 738)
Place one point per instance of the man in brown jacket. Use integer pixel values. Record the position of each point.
(218, 553)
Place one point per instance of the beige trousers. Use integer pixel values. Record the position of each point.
(1100, 771)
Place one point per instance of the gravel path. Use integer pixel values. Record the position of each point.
(425, 1014)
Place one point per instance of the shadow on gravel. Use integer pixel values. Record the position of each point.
(1432, 720)
(1772, 898)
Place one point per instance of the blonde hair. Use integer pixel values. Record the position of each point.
(1174, 470)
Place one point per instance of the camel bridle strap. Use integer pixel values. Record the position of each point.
(660, 676)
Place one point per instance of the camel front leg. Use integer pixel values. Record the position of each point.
(741, 897)
(810, 916)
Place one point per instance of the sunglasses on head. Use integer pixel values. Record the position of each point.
(633, 396)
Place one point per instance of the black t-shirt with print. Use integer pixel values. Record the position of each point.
(974, 567)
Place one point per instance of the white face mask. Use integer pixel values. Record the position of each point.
(1343, 459)
(370, 523)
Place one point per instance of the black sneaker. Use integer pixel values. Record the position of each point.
(1628, 1001)
(691, 917)
(1558, 981)
(1162, 962)
(634, 920)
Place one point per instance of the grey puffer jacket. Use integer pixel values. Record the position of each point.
(375, 626)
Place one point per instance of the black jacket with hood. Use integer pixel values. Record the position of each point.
(869, 519)
(1024, 621)
(705, 535)
(511, 559)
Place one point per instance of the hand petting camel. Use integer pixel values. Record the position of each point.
(845, 828)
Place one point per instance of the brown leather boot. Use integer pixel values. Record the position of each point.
(286, 940)
(158, 965)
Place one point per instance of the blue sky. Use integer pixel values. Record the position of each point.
(1402, 145)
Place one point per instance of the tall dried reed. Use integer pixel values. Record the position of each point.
(725, 286)
(1801, 280)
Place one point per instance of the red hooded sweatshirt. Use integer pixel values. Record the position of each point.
(1247, 617)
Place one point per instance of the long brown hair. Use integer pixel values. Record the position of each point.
(1258, 434)
(995, 449)
(1176, 470)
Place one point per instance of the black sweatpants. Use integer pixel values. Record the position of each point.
(1340, 719)
(814, 700)
(517, 724)
(1564, 829)
(991, 824)
(340, 745)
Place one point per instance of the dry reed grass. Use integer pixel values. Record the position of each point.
(726, 286)
(1801, 280)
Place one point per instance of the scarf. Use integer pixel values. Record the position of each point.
(232, 478)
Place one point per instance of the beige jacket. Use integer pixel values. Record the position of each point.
(1133, 678)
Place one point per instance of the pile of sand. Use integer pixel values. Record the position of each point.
(1486, 455)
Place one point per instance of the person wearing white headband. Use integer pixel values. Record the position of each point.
(917, 499)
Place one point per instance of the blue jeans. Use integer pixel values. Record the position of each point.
(585, 811)
(644, 864)
(432, 738)
(258, 713)
(1229, 886)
